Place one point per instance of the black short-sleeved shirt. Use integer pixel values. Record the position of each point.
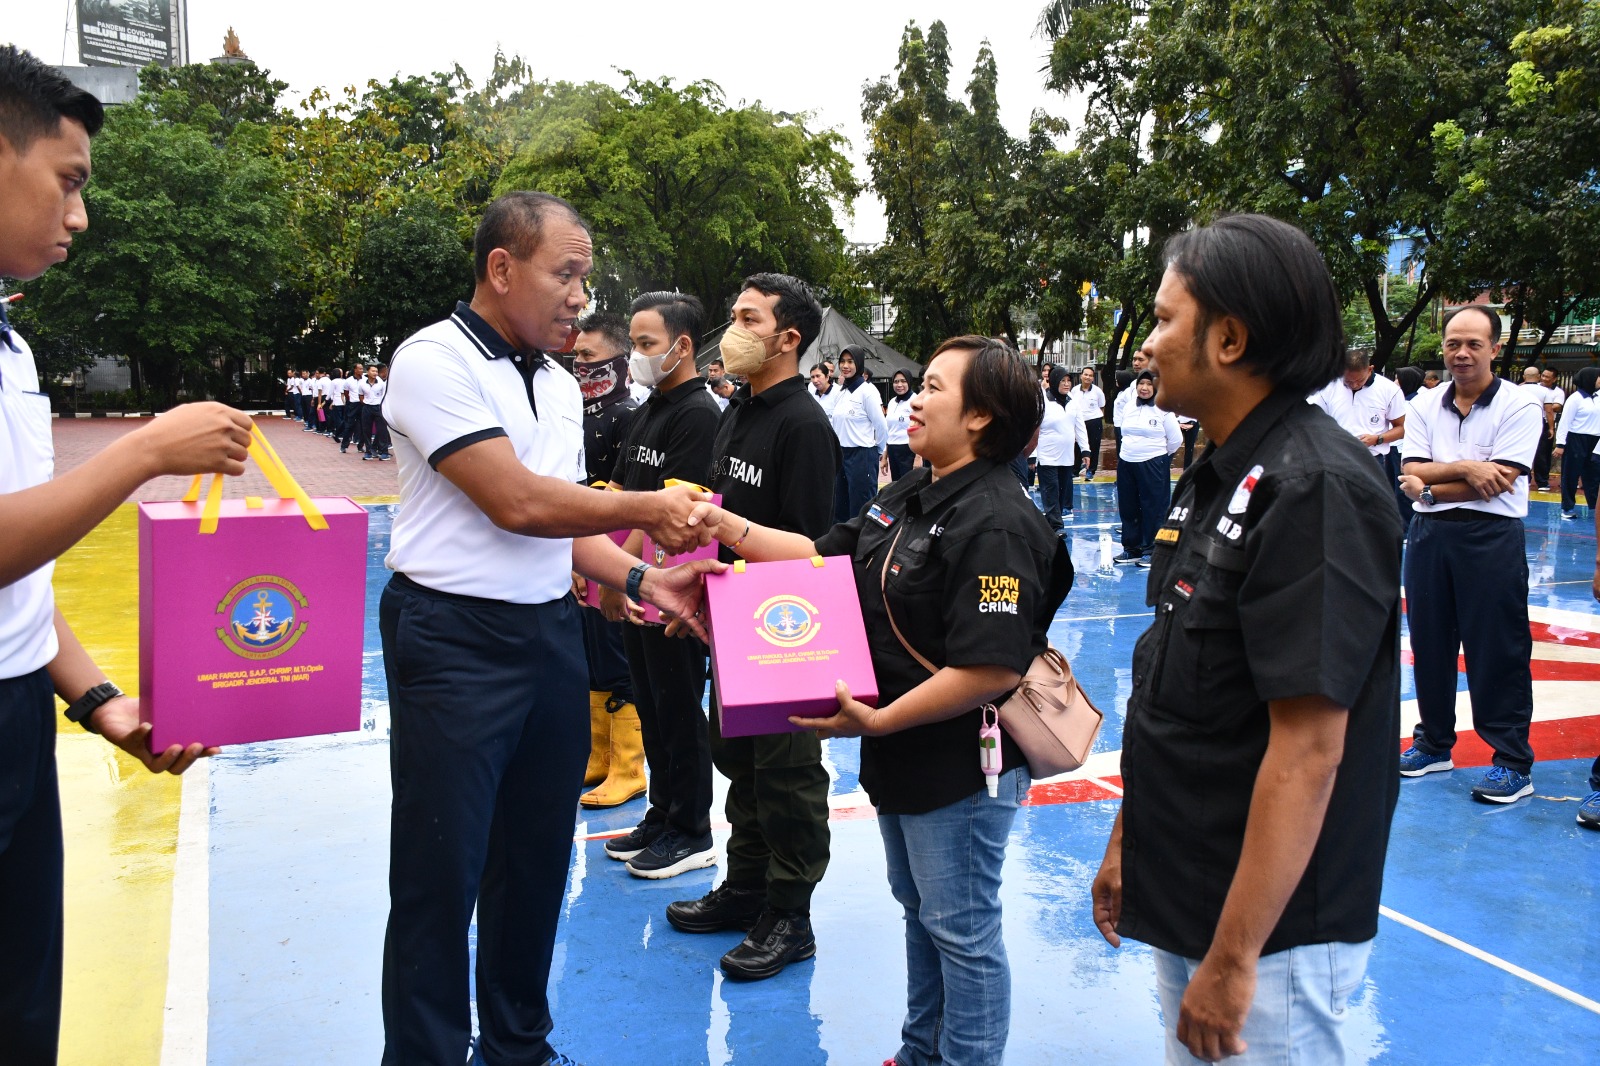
(604, 430)
(670, 437)
(975, 579)
(1276, 575)
(774, 460)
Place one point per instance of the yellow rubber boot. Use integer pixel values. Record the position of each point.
(625, 776)
(599, 739)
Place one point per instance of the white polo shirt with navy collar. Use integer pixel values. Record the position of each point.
(454, 384)
(1502, 426)
(1372, 409)
(27, 459)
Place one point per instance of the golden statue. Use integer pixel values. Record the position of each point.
(230, 45)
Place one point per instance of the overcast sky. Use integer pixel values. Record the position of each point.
(809, 56)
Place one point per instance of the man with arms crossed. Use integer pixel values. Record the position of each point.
(1259, 745)
(1468, 449)
(482, 644)
(45, 126)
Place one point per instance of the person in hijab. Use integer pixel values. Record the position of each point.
(1062, 437)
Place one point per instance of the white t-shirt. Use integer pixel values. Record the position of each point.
(1580, 414)
(1503, 425)
(1148, 432)
(858, 418)
(1061, 428)
(897, 417)
(1536, 392)
(372, 392)
(1090, 402)
(27, 458)
(452, 387)
(339, 387)
(1373, 408)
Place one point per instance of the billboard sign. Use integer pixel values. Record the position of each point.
(125, 33)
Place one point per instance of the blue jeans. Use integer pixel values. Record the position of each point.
(1299, 1010)
(944, 869)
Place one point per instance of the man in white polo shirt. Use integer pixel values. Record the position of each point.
(1468, 449)
(45, 126)
(1369, 407)
(482, 643)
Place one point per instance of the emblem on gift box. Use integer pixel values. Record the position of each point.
(260, 615)
(787, 621)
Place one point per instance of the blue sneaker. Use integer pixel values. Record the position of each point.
(1503, 785)
(1589, 812)
(1414, 762)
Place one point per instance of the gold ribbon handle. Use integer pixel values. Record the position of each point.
(277, 475)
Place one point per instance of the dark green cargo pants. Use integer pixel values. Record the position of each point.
(778, 808)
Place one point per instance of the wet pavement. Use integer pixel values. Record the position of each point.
(276, 888)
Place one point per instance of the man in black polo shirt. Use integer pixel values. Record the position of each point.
(775, 459)
(670, 439)
(1260, 755)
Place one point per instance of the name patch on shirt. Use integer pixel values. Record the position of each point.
(1184, 589)
(1167, 535)
(998, 594)
(880, 516)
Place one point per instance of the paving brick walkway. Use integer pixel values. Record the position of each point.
(314, 460)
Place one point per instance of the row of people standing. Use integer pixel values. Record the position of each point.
(342, 407)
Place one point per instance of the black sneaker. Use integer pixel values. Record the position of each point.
(779, 938)
(728, 906)
(673, 853)
(643, 835)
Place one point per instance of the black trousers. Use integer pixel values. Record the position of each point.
(352, 423)
(778, 808)
(1467, 591)
(1578, 461)
(669, 683)
(1096, 428)
(856, 482)
(1143, 492)
(1055, 492)
(30, 873)
(901, 461)
(606, 654)
(1542, 459)
(490, 737)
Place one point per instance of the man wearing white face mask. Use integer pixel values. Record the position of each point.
(670, 438)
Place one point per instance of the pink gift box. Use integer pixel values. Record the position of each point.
(252, 632)
(781, 634)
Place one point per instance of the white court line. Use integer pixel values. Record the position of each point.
(1493, 960)
(183, 1038)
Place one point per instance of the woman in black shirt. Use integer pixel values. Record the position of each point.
(957, 557)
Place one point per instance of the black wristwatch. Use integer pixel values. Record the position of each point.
(92, 701)
(635, 579)
(1426, 495)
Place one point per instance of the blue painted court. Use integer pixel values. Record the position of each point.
(1489, 949)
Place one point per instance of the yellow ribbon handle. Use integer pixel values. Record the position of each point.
(673, 482)
(277, 475)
